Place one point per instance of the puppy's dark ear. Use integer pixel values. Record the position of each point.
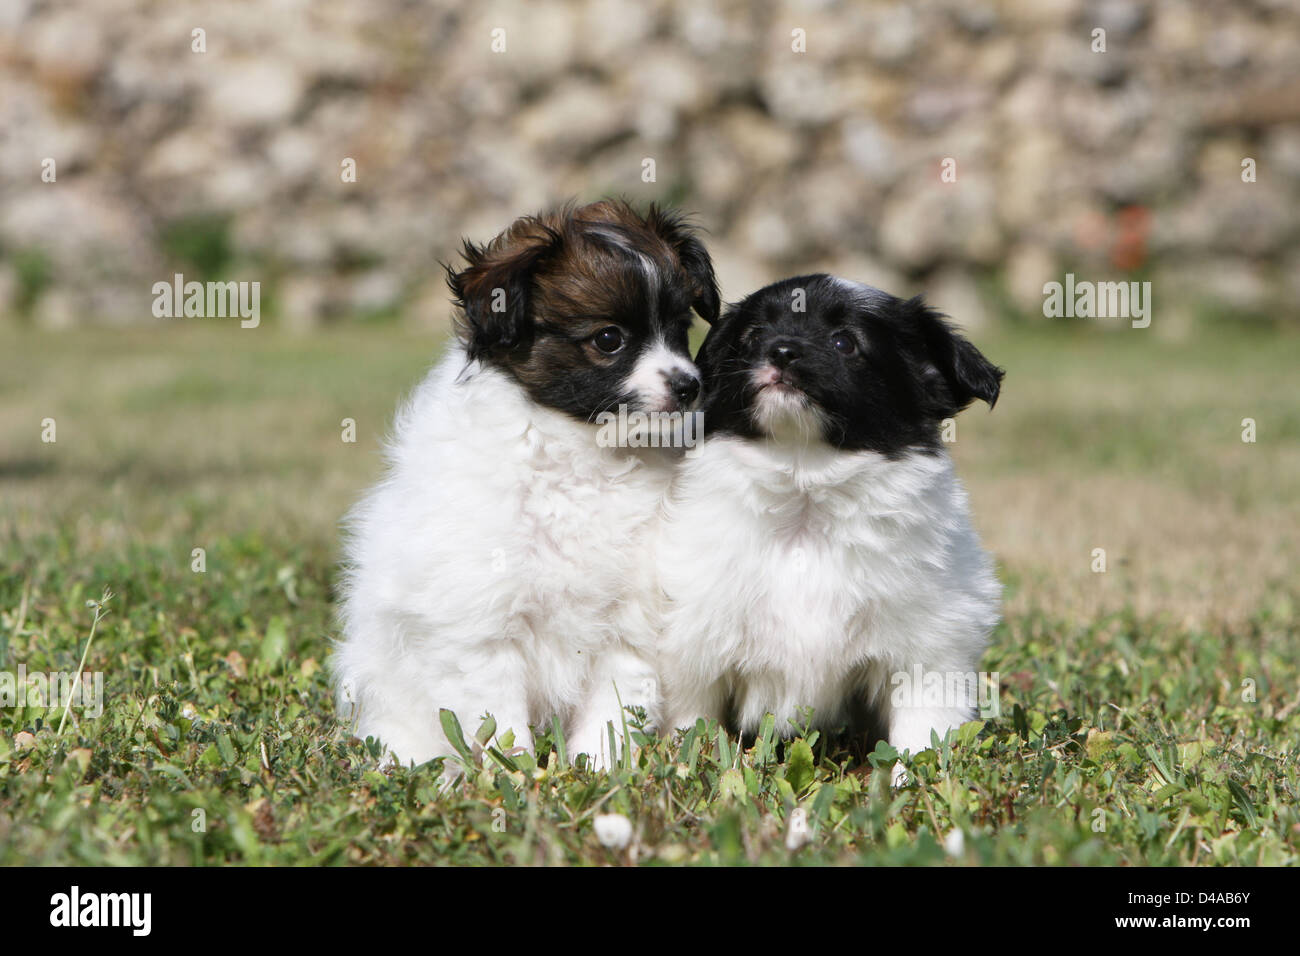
(494, 289)
(958, 370)
(719, 343)
(695, 260)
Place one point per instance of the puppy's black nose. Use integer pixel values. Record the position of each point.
(684, 386)
(782, 353)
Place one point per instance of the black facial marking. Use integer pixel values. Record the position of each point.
(882, 372)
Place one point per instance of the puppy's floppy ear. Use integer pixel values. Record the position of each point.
(493, 291)
(695, 260)
(959, 371)
(718, 343)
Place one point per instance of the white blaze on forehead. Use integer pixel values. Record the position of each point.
(648, 266)
(648, 380)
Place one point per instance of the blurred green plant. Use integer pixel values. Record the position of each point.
(35, 273)
(199, 243)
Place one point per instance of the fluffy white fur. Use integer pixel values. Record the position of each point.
(500, 567)
(800, 576)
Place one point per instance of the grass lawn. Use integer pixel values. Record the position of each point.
(1149, 714)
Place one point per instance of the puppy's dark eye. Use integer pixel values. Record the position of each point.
(843, 343)
(609, 339)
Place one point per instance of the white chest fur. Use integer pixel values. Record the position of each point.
(498, 568)
(824, 573)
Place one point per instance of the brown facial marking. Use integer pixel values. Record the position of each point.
(533, 298)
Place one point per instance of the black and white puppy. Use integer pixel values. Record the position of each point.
(500, 566)
(818, 551)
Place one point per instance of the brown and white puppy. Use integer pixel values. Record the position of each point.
(499, 567)
(590, 308)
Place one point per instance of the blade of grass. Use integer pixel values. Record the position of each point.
(100, 611)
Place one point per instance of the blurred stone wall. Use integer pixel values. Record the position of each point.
(228, 162)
